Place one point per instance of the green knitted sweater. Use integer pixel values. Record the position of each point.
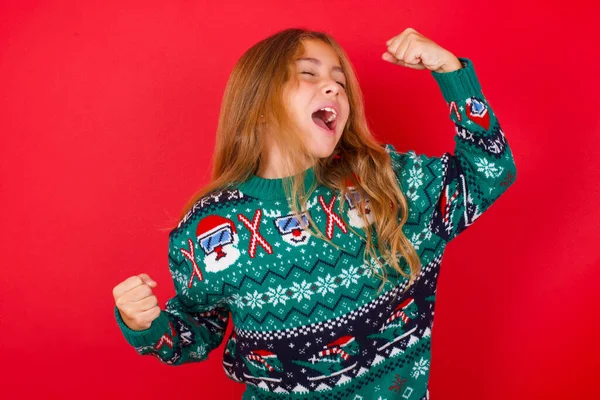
(308, 322)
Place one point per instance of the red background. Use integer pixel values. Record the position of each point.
(108, 114)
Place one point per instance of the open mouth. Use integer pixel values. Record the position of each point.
(326, 118)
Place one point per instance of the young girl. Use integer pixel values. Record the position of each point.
(322, 244)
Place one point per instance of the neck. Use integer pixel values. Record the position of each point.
(271, 188)
(273, 166)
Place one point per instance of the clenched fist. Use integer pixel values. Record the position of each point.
(413, 50)
(137, 304)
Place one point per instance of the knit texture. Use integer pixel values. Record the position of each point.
(308, 322)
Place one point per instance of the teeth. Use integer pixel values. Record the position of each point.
(332, 111)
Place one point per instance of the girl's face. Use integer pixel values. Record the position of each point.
(321, 84)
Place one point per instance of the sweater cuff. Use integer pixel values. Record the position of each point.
(460, 84)
(146, 337)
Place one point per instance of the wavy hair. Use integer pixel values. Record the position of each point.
(256, 86)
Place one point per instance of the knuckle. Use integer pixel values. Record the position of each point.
(143, 276)
(120, 302)
(125, 313)
(138, 293)
(146, 290)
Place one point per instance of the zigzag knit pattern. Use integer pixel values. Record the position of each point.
(308, 321)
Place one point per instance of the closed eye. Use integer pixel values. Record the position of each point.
(310, 73)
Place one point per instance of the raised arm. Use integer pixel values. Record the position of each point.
(453, 190)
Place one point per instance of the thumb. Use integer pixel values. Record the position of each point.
(147, 280)
(387, 56)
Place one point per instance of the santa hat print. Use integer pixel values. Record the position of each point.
(265, 353)
(398, 311)
(351, 183)
(335, 347)
(405, 303)
(341, 342)
(213, 223)
(261, 356)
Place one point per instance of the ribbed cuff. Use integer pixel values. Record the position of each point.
(460, 84)
(147, 337)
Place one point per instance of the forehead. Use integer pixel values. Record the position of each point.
(317, 52)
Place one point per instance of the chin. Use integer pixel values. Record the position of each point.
(322, 146)
(323, 152)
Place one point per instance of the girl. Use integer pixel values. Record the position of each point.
(320, 243)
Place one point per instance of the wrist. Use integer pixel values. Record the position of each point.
(450, 66)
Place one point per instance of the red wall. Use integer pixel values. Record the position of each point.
(107, 122)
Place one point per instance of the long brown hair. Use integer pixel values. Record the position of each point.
(255, 88)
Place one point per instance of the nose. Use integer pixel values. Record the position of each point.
(331, 87)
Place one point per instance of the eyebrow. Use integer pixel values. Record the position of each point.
(318, 62)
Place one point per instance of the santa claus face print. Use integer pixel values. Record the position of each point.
(217, 237)
(353, 198)
(291, 230)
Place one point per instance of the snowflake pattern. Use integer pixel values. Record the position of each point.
(304, 290)
(374, 266)
(416, 158)
(412, 194)
(420, 368)
(488, 168)
(237, 300)
(277, 295)
(418, 238)
(326, 284)
(349, 276)
(301, 290)
(255, 300)
(200, 352)
(415, 178)
(182, 281)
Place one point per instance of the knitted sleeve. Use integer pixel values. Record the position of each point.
(193, 322)
(451, 191)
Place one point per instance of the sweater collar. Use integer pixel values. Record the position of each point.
(272, 188)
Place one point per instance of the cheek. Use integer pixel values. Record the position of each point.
(306, 90)
(295, 109)
(300, 100)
